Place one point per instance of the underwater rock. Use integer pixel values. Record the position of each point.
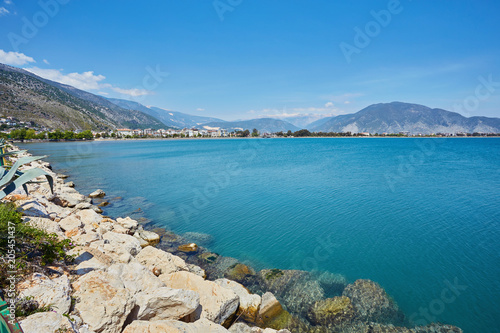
(188, 248)
(333, 284)
(331, 312)
(239, 272)
(372, 303)
(198, 238)
(297, 290)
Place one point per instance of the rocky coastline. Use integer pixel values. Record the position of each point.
(131, 278)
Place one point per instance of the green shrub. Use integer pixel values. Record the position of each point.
(32, 246)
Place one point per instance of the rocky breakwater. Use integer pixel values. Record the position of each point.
(118, 281)
(127, 279)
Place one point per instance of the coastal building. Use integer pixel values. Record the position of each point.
(137, 132)
(124, 131)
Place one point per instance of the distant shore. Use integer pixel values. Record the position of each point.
(253, 138)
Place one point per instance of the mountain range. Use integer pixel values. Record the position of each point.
(398, 117)
(28, 97)
(169, 118)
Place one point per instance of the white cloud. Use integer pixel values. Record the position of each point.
(102, 93)
(4, 11)
(14, 58)
(84, 81)
(329, 105)
(200, 109)
(8, 2)
(46, 61)
(134, 92)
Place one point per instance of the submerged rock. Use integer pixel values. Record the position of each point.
(199, 238)
(372, 303)
(192, 247)
(331, 312)
(240, 272)
(297, 290)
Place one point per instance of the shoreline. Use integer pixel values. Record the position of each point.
(200, 262)
(255, 138)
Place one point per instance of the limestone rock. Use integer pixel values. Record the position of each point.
(32, 208)
(197, 270)
(166, 262)
(166, 303)
(147, 237)
(218, 303)
(135, 277)
(171, 326)
(87, 238)
(45, 291)
(270, 307)
(372, 303)
(331, 312)
(71, 222)
(88, 259)
(120, 247)
(244, 328)
(97, 194)
(46, 225)
(103, 301)
(128, 224)
(249, 303)
(89, 216)
(47, 322)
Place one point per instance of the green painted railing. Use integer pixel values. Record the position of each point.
(8, 325)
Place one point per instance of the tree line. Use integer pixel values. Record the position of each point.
(30, 134)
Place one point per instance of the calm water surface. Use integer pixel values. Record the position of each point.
(419, 216)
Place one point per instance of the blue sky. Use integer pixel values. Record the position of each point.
(241, 59)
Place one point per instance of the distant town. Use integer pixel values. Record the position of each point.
(12, 128)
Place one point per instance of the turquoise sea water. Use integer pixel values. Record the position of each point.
(419, 216)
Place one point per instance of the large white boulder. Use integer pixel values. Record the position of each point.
(135, 277)
(47, 322)
(103, 301)
(217, 303)
(171, 326)
(249, 303)
(45, 291)
(128, 223)
(165, 262)
(89, 216)
(166, 303)
(71, 222)
(122, 248)
(46, 225)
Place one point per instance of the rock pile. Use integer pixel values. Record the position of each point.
(123, 280)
